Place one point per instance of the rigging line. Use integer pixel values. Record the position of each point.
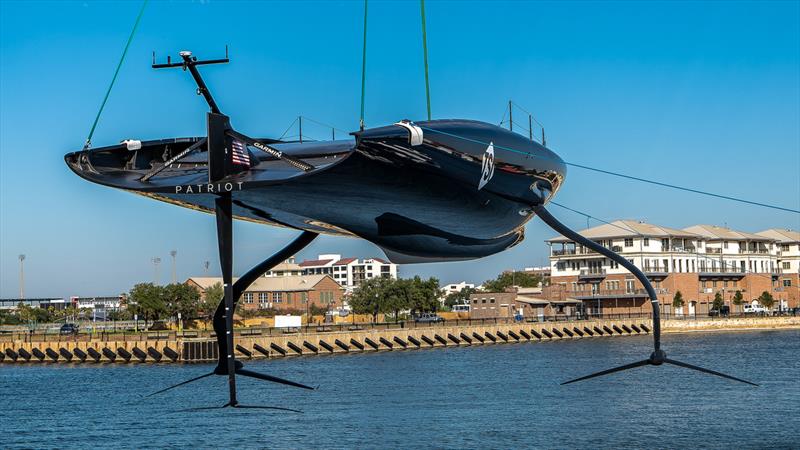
(631, 230)
(363, 69)
(617, 174)
(114, 78)
(289, 128)
(526, 111)
(425, 52)
(324, 124)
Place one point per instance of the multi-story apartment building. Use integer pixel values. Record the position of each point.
(698, 261)
(787, 243)
(349, 272)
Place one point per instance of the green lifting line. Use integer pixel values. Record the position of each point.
(363, 68)
(425, 51)
(116, 72)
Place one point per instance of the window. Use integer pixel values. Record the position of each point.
(277, 297)
(483, 300)
(248, 297)
(664, 244)
(646, 242)
(724, 244)
(262, 297)
(629, 286)
(628, 242)
(786, 265)
(303, 297)
(326, 297)
(787, 282)
(491, 300)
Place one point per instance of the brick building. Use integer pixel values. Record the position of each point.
(525, 302)
(698, 261)
(284, 293)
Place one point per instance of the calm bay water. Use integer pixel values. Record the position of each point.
(499, 396)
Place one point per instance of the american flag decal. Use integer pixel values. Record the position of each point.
(239, 153)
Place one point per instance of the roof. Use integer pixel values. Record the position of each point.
(270, 284)
(783, 236)
(285, 266)
(627, 228)
(315, 262)
(717, 232)
(532, 300)
(344, 261)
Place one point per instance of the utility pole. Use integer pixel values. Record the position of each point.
(206, 264)
(156, 261)
(174, 253)
(22, 276)
(300, 121)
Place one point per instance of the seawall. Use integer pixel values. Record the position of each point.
(355, 338)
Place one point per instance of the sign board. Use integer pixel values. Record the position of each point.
(287, 321)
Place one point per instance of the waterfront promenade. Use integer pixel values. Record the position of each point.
(197, 346)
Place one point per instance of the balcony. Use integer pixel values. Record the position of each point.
(592, 274)
(712, 250)
(753, 251)
(612, 293)
(655, 271)
(563, 252)
(723, 272)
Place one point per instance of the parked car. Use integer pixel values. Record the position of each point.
(725, 311)
(428, 318)
(68, 328)
(755, 309)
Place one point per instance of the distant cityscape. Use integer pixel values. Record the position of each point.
(702, 262)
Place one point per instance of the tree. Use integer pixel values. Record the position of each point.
(719, 302)
(367, 298)
(677, 300)
(738, 298)
(211, 297)
(423, 295)
(766, 300)
(148, 301)
(459, 298)
(181, 299)
(509, 278)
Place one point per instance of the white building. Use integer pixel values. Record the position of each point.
(349, 272)
(97, 302)
(452, 288)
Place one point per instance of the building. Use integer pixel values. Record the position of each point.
(13, 303)
(788, 250)
(698, 261)
(287, 268)
(115, 302)
(526, 303)
(452, 288)
(543, 272)
(349, 272)
(283, 294)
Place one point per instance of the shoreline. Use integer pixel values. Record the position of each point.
(182, 349)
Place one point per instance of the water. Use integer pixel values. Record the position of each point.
(498, 396)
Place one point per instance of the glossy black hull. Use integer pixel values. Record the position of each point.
(419, 203)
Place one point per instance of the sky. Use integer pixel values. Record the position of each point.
(703, 94)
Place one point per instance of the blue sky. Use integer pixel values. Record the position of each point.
(700, 94)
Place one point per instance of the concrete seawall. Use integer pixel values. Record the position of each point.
(183, 349)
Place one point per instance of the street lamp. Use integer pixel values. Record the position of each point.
(22, 276)
(174, 253)
(156, 261)
(206, 264)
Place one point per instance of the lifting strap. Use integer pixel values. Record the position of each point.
(425, 53)
(116, 72)
(363, 68)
